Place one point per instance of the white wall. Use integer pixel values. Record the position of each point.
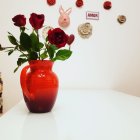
(108, 60)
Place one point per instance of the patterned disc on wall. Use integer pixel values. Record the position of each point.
(51, 2)
(107, 5)
(79, 3)
(121, 19)
(85, 30)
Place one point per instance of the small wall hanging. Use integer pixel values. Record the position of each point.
(85, 30)
(70, 39)
(79, 3)
(92, 15)
(51, 2)
(107, 5)
(121, 19)
(64, 19)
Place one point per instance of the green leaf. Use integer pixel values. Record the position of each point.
(21, 61)
(25, 41)
(40, 45)
(46, 39)
(51, 52)
(33, 56)
(12, 39)
(44, 55)
(53, 47)
(22, 48)
(35, 41)
(16, 69)
(63, 55)
(10, 52)
(36, 45)
(10, 33)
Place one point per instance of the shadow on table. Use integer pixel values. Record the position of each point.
(39, 126)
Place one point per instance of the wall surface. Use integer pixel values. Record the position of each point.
(107, 60)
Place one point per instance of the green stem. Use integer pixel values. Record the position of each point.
(8, 47)
(23, 53)
(17, 50)
(69, 47)
(38, 41)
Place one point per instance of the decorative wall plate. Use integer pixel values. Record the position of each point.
(121, 19)
(64, 19)
(85, 30)
(51, 2)
(107, 5)
(79, 3)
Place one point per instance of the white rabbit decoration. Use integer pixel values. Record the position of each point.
(64, 19)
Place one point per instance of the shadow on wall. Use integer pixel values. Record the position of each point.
(129, 81)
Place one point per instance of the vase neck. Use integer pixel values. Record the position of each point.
(41, 64)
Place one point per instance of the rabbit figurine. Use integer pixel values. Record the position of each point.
(64, 19)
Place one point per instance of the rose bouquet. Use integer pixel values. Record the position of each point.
(31, 48)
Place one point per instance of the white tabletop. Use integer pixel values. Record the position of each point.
(77, 115)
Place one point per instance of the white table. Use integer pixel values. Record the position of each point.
(77, 115)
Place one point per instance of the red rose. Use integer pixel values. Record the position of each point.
(51, 2)
(19, 20)
(36, 21)
(57, 37)
(107, 5)
(79, 3)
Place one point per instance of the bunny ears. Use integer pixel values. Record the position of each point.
(64, 19)
(61, 10)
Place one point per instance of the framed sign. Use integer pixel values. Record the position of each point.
(92, 15)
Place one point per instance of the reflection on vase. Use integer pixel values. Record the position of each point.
(39, 127)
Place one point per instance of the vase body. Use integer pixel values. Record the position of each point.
(39, 85)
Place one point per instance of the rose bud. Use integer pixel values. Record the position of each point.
(19, 20)
(36, 20)
(107, 5)
(70, 39)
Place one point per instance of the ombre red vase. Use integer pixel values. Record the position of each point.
(39, 85)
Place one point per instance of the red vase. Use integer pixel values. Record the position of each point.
(39, 86)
